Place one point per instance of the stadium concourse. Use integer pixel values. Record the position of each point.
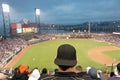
(13, 46)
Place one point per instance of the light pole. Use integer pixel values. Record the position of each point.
(89, 27)
(37, 18)
(6, 18)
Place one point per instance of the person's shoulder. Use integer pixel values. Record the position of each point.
(86, 77)
(114, 78)
(48, 77)
(61, 78)
(77, 78)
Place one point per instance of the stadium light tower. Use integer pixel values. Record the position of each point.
(6, 18)
(37, 18)
(89, 27)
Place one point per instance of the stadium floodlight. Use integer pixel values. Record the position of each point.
(37, 11)
(37, 17)
(5, 8)
(6, 18)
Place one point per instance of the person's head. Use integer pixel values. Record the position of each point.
(93, 73)
(66, 56)
(118, 68)
(112, 74)
(56, 70)
(44, 71)
(106, 72)
(78, 68)
(23, 68)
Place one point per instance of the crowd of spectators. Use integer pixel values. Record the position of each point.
(23, 72)
(9, 47)
(43, 36)
(112, 38)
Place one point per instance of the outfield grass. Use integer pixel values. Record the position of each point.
(42, 55)
(115, 54)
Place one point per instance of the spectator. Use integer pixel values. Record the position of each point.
(53, 72)
(92, 72)
(112, 74)
(35, 75)
(44, 73)
(66, 60)
(117, 77)
(106, 73)
(79, 69)
(21, 73)
(81, 73)
(101, 75)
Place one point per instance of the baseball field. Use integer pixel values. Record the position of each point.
(89, 53)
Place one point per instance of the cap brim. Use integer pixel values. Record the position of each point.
(65, 62)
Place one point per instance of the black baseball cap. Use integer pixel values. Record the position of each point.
(66, 55)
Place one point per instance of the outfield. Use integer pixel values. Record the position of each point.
(42, 55)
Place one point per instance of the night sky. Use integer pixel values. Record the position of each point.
(63, 11)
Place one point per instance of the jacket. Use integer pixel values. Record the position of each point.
(63, 76)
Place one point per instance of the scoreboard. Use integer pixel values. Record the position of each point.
(17, 28)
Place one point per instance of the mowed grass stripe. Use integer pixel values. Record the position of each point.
(42, 55)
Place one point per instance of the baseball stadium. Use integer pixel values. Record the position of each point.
(35, 45)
